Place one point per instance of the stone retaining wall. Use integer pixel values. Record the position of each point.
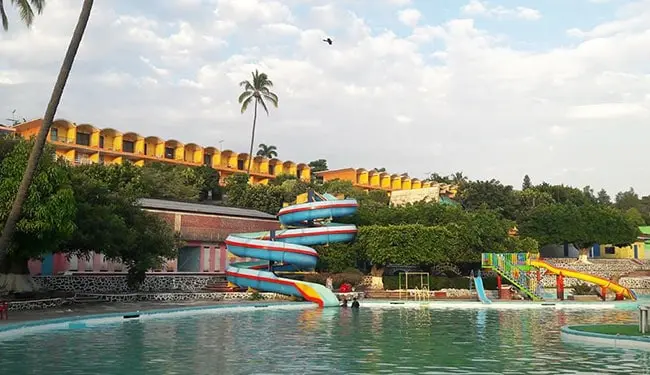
(605, 268)
(116, 283)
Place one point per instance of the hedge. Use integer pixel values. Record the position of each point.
(438, 282)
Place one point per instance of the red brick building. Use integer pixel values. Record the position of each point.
(203, 228)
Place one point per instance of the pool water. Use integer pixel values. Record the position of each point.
(331, 341)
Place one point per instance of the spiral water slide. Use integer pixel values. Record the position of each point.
(303, 225)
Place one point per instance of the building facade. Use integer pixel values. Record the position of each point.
(374, 180)
(202, 227)
(86, 144)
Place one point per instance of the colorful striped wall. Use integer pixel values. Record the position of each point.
(212, 258)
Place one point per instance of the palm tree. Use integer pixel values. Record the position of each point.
(256, 91)
(26, 10)
(37, 151)
(269, 151)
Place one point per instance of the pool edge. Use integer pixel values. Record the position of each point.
(568, 333)
(12, 330)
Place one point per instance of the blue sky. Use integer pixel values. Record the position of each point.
(496, 89)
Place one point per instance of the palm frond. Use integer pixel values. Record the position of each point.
(247, 85)
(272, 98)
(25, 10)
(3, 14)
(261, 153)
(263, 104)
(244, 95)
(246, 103)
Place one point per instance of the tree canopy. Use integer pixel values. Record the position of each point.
(49, 210)
(583, 226)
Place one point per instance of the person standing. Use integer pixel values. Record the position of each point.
(328, 283)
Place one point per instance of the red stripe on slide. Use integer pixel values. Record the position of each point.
(262, 278)
(276, 281)
(323, 207)
(308, 234)
(272, 248)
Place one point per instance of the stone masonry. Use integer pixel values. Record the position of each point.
(116, 283)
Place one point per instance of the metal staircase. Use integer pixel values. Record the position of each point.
(513, 267)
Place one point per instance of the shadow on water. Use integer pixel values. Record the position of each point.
(330, 341)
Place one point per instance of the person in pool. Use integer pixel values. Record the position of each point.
(345, 302)
(355, 303)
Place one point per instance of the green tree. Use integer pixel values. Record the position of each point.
(209, 189)
(25, 9)
(490, 194)
(526, 184)
(565, 194)
(168, 181)
(603, 198)
(530, 198)
(318, 165)
(583, 226)
(257, 92)
(627, 199)
(635, 217)
(269, 151)
(21, 193)
(108, 221)
(47, 216)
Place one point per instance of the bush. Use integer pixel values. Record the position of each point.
(438, 282)
(583, 289)
(351, 276)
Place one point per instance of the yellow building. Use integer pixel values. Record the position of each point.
(633, 251)
(85, 143)
(373, 180)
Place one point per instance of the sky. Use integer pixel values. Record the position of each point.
(556, 89)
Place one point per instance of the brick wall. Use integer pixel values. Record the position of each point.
(212, 228)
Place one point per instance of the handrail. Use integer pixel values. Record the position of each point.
(508, 265)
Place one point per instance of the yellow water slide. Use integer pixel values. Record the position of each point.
(616, 288)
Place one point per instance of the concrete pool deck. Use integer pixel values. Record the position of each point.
(75, 310)
(94, 308)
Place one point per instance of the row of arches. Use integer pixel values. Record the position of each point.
(152, 147)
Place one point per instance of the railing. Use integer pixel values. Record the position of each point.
(56, 138)
(509, 265)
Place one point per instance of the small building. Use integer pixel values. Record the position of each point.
(203, 228)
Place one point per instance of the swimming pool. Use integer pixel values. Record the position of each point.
(378, 338)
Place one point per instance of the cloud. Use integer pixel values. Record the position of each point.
(440, 96)
(409, 17)
(483, 8)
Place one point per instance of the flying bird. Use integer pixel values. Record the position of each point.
(328, 41)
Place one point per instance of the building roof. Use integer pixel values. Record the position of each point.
(333, 171)
(160, 204)
(6, 129)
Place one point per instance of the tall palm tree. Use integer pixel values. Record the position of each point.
(37, 151)
(25, 9)
(269, 151)
(258, 92)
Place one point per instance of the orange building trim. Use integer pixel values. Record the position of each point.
(86, 143)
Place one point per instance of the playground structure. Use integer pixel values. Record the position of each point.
(419, 294)
(524, 271)
(303, 225)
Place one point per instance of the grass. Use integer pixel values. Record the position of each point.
(612, 329)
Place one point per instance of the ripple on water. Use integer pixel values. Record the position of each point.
(368, 341)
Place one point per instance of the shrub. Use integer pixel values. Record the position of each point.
(351, 276)
(438, 282)
(583, 289)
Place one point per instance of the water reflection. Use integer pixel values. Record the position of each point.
(331, 341)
